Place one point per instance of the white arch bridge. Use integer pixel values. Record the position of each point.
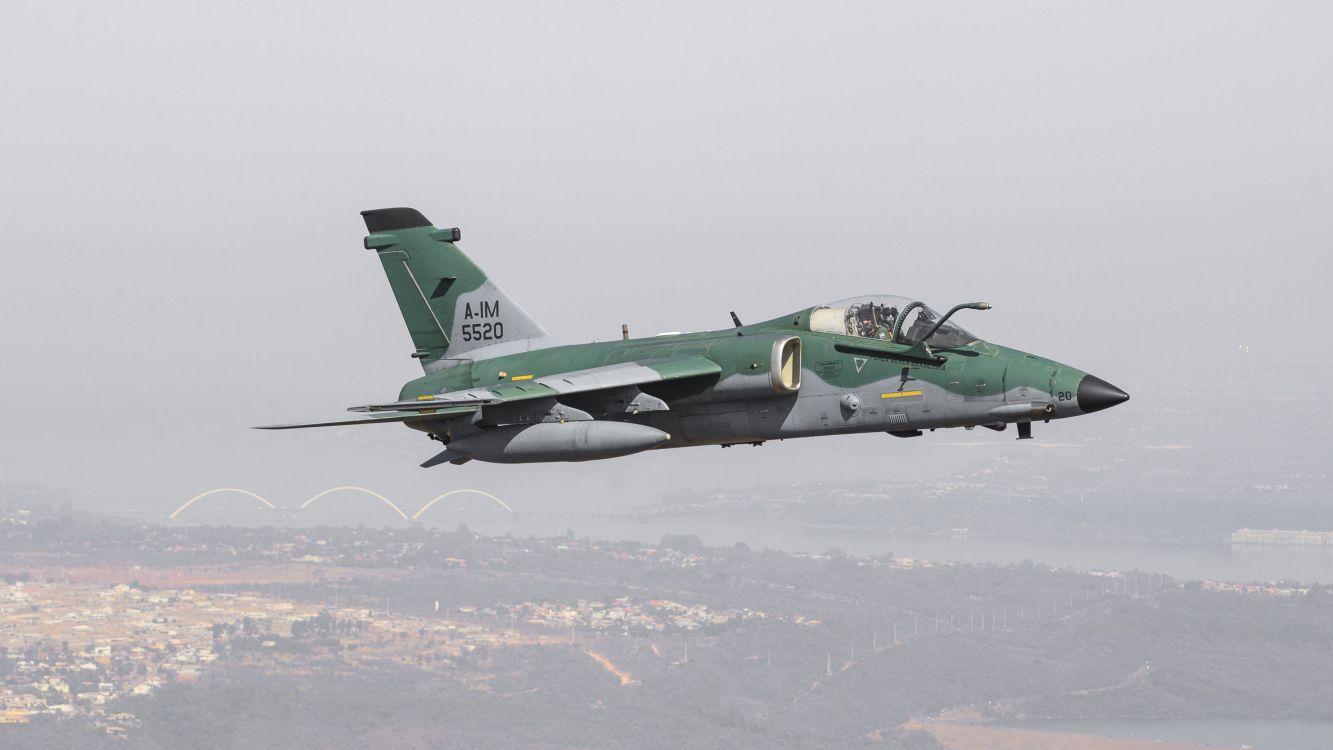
(346, 488)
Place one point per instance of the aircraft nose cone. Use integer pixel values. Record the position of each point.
(1095, 394)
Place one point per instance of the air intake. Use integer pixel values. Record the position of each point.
(786, 367)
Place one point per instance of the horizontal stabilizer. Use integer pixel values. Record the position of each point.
(437, 413)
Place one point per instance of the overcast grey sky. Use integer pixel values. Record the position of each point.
(1128, 183)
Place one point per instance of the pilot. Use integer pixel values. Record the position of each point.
(866, 320)
(886, 316)
(875, 321)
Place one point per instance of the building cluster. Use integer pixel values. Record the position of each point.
(1269, 589)
(886, 562)
(624, 551)
(71, 648)
(1286, 537)
(627, 616)
(15, 516)
(74, 648)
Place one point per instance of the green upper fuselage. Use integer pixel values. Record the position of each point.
(848, 383)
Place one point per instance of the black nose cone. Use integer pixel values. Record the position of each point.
(1095, 394)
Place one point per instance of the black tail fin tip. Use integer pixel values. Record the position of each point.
(390, 219)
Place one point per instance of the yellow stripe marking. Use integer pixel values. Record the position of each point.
(900, 394)
(425, 398)
(521, 377)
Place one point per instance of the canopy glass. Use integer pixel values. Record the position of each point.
(877, 316)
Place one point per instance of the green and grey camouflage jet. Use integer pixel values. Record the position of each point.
(497, 388)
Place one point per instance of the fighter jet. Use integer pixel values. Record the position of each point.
(497, 388)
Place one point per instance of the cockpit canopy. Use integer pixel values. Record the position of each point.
(877, 316)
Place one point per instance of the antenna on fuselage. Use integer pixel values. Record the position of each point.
(736, 320)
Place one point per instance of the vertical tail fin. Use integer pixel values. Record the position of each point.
(448, 303)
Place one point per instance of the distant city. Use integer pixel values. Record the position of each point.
(111, 629)
(1302, 538)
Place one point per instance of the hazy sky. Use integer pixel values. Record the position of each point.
(1129, 184)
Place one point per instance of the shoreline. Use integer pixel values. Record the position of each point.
(956, 736)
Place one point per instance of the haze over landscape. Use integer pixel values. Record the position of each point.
(1139, 190)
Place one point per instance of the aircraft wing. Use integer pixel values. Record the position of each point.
(560, 384)
(412, 416)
